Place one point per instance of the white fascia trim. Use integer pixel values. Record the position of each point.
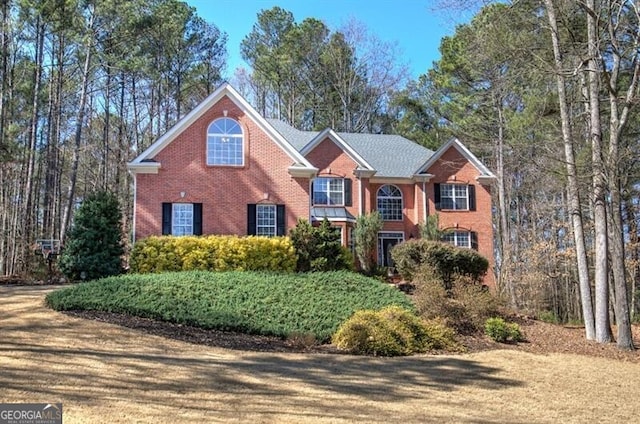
(298, 171)
(486, 179)
(333, 136)
(391, 180)
(143, 167)
(422, 178)
(351, 220)
(224, 90)
(454, 142)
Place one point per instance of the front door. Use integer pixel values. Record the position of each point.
(386, 241)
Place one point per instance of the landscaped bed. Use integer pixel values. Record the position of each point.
(282, 305)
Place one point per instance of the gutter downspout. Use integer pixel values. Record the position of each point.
(135, 207)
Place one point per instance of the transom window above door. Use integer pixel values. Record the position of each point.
(225, 143)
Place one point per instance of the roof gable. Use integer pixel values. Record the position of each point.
(341, 143)
(382, 155)
(300, 162)
(485, 174)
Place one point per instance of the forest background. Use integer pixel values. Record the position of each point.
(545, 92)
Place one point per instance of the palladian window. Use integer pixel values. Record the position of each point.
(225, 143)
(390, 203)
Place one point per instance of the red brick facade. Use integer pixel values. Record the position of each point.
(183, 176)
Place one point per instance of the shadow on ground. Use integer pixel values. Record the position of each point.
(48, 355)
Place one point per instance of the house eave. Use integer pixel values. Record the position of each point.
(143, 167)
(392, 180)
(422, 178)
(298, 171)
(364, 173)
(486, 179)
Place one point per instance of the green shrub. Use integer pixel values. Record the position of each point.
(366, 240)
(313, 304)
(548, 316)
(319, 248)
(440, 258)
(464, 308)
(501, 331)
(392, 331)
(94, 248)
(212, 253)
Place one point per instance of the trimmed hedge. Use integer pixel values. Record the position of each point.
(250, 302)
(213, 253)
(442, 259)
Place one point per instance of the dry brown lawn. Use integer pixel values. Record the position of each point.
(106, 373)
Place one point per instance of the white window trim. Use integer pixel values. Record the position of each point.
(328, 192)
(275, 220)
(401, 198)
(456, 234)
(210, 140)
(175, 207)
(454, 197)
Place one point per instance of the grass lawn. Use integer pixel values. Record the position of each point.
(106, 373)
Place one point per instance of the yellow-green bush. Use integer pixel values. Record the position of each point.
(213, 253)
(392, 331)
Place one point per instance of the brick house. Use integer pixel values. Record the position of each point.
(225, 169)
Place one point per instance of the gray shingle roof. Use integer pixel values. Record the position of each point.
(390, 155)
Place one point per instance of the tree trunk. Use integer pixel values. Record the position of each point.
(603, 327)
(573, 194)
(78, 133)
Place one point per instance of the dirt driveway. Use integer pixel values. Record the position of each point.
(105, 373)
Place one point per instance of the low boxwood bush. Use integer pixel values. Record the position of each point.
(440, 258)
(313, 304)
(501, 331)
(392, 331)
(212, 253)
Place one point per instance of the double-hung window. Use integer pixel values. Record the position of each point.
(182, 219)
(461, 238)
(329, 191)
(225, 143)
(457, 197)
(266, 220)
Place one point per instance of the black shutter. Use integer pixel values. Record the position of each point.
(197, 219)
(474, 240)
(472, 197)
(348, 196)
(166, 218)
(251, 219)
(311, 194)
(280, 220)
(436, 196)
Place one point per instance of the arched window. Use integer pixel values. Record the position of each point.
(390, 203)
(225, 143)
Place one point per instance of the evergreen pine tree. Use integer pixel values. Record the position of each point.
(94, 248)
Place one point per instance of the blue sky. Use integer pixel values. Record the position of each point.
(415, 25)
